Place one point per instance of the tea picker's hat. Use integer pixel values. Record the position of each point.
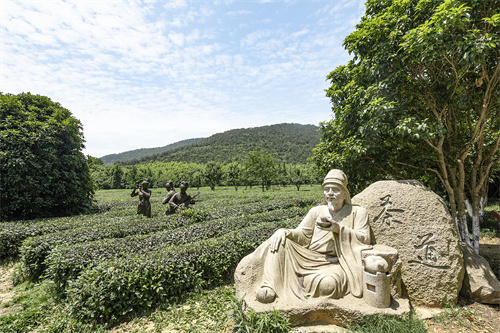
(338, 177)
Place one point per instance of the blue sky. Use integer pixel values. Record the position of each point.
(142, 74)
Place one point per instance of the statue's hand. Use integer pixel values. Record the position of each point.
(328, 224)
(278, 238)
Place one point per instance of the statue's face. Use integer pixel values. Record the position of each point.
(334, 194)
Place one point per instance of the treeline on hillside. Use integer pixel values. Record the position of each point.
(143, 152)
(259, 168)
(289, 143)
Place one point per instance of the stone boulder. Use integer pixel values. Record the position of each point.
(414, 220)
(480, 283)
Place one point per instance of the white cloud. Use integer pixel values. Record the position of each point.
(149, 73)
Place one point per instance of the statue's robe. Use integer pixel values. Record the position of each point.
(310, 254)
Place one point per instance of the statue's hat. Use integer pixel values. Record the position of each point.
(338, 177)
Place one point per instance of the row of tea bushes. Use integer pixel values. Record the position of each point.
(34, 250)
(67, 261)
(115, 288)
(12, 234)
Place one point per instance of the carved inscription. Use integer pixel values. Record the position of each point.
(388, 214)
(426, 252)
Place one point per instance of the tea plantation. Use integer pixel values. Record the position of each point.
(100, 270)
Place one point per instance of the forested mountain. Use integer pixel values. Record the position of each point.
(143, 152)
(288, 143)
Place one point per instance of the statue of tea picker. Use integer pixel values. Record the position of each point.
(142, 190)
(328, 255)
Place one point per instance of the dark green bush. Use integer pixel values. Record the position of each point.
(44, 172)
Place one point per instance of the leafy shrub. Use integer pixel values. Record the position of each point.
(12, 234)
(44, 172)
(35, 249)
(65, 262)
(114, 288)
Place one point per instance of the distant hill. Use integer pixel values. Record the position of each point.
(143, 152)
(289, 143)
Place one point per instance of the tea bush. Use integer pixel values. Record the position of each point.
(115, 288)
(65, 262)
(35, 249)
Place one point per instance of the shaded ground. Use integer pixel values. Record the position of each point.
(470, 316)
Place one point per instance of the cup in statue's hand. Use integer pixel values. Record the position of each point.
(323, 222)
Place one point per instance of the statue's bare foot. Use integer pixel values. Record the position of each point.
(265, 295)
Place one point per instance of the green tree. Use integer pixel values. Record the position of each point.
(260, 166)
(44, 172)
(297, 176)
(132, 176)
(117, 176)
(420, 99)
(213, 174)
(233, 173)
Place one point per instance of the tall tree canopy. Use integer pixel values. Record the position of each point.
(420, 99)
(44, 172)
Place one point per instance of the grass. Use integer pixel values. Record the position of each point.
(390, 324)
(458, 316)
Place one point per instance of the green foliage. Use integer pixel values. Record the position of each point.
(213, 174)
(419, 100)
(247, 321)
(290, 143)
(66, 262)
(260, 167)
(145, 152)
(34, 250)
(390, 324)
(114, 288)
(44, 172)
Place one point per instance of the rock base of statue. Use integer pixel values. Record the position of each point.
(320, 311)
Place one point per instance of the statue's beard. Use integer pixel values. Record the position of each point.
(331, 205)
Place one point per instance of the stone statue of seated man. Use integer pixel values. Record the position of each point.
(322, 256)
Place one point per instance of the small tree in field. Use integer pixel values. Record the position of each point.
(234, 174)
(44, 172)
(213, 174)
(261, 166)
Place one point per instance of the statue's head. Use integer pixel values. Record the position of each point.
(337, 179)
(145, 183)
(184, 185)
(169, 184)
